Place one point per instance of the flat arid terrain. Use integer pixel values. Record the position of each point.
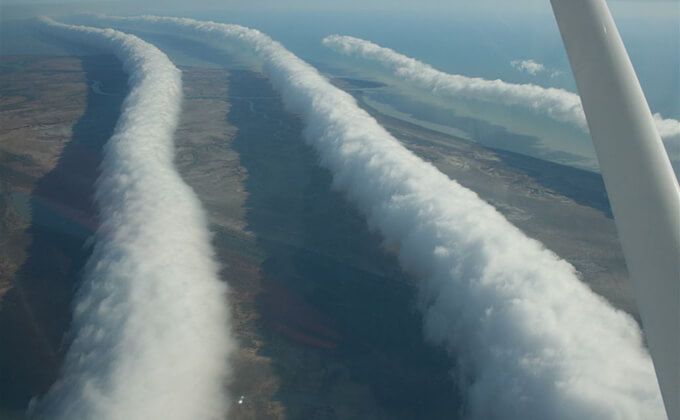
(326, 321)
(52, 129)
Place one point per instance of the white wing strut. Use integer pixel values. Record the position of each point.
(642, 188)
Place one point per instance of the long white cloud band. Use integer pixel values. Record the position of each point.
(150, 321)
(558, 104)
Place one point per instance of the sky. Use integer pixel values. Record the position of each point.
(490, 7)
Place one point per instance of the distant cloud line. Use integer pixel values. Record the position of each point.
(558, 104)
(529, 338)
(150, 326)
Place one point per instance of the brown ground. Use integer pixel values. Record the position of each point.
(41, 100)
(212, 168)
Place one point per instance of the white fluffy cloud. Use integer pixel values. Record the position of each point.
(530, 66)
(151, 335)
(531, 341)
